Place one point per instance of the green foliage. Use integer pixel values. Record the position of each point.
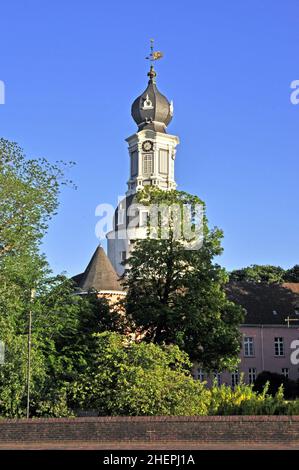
(255, 273)
(243, 400)
(13, 376)
(50, 321)
(176, 295)
(54, 404)
(265, 273)
(139, 379)
(29, 191)
(291, 389)
(292, 274)
(79, 357)
(28, 198)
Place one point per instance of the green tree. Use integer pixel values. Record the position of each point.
(29, 190)
(176, 295)
(75, 347)
(259, 273)
(55, 313)
(139, 379)
(292, 274)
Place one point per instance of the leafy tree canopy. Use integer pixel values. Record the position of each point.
(292, 274)
(265, 273)
(176, 295)
(29, 190)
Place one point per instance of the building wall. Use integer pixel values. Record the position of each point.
(264, 353)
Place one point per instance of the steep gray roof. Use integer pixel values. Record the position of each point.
(99, 274)
(266, 304)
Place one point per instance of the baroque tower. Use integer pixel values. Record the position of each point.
(152, 155)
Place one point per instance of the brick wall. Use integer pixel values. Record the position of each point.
(160, 428)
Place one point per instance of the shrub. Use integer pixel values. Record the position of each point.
(139, 379)
(244, 400)
(275, 381)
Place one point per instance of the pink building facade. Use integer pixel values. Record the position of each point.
(264, 347)
(270, 336)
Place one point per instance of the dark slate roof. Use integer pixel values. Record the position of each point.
(158, 115)
(261, 301)
(99, 274)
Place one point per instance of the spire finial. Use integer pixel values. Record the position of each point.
(154, 55)
(151, 47)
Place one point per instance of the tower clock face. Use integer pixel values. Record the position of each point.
(147, 146)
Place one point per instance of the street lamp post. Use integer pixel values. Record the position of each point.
(2, 353)
(32, 295)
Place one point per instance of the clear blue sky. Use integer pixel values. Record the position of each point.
(72, 69)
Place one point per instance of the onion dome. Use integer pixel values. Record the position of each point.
(152, 110)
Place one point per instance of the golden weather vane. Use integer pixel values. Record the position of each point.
(154, 55)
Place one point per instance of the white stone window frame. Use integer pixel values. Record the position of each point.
(218, 378)
(147, 164)
(279, 346)
(251, 375)
(143, 217)
(285, 371)
(161, 164)
(235, 377)
(248, 345)
(121, 216)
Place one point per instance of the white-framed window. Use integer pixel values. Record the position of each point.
(251, 375)
(163, 161)
(120, 216)
(217, 378)
(285, 372)
(200, 375)
(278, 346)
(235, 378)
(134, 163)
(123, 256)
(143, 217)
(248, 346)
(147, 164)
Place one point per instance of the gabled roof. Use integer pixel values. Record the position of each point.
(266, 304)
(99, 274)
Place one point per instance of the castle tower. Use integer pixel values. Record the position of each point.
(151, 149)
(152, 155)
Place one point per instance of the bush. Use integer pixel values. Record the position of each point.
(139, 379)
(146, 379)
(290, 387)
(243, 400)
